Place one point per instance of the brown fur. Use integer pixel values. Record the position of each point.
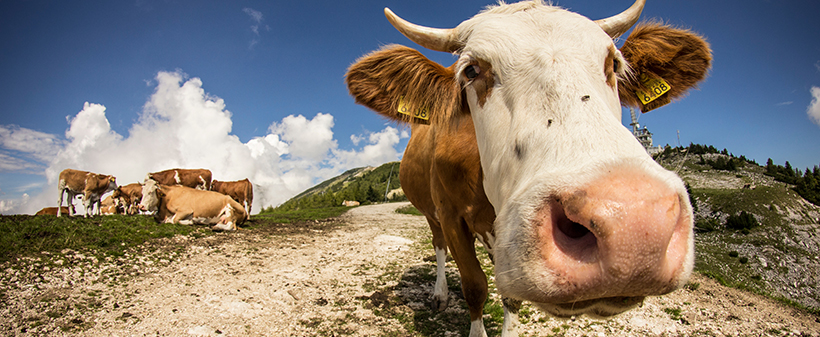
(679, 56)
(91, 185)
(378, 80)
(188, 177)
(183, 203)
(241, 191)
(51, 211)
(130, 196)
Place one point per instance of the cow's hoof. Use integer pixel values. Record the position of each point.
(439, 303)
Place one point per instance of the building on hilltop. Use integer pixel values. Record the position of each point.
(643, 135)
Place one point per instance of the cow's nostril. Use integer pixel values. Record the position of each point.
(572, 229)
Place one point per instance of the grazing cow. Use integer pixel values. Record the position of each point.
(91, 185)
(52, 210)
(180, 204)
(130, 196)
(520, 145)
(241, 191)
(194, 178)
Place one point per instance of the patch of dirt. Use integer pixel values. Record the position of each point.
(364, 274)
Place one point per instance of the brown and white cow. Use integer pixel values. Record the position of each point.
(91, 185)
(241, 191)
(194, 178)
(111, 205)
(52, 210)
(130, 196)
(185, 205)
(523, 148)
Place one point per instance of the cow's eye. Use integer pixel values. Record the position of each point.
(472, 71)
(616, 66)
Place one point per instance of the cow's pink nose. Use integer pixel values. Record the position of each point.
(624, 234)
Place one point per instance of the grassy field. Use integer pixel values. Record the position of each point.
(112, 235)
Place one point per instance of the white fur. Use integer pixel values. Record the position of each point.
(551, 98)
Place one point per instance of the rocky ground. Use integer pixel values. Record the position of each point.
(367, 273)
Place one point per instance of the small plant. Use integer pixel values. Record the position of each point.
(744, 260)
(706, 225)
(409, 209)
(733, 253)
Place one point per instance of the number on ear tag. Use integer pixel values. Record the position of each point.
(404, 109)
(657, 87)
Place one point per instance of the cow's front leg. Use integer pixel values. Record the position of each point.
(183, 217)
(511, 308)
(441, 294)
(473, 280)
(88, 202)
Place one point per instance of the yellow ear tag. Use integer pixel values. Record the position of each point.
(657, 87)
(404, 109)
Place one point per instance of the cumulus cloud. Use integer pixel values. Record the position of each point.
(814, 108)
(183, 126)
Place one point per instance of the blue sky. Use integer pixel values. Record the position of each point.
(108, 86)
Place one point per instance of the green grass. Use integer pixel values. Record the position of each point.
(112, 235)
(409, 209)
(302, 214)
(26, 235)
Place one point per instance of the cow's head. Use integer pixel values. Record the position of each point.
(586, 221)
(151, 196)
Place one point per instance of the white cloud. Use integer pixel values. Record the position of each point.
(814, 108)
(183, 126)
(38, 145)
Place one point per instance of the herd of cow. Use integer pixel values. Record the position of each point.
(519, 144)
(175, 196)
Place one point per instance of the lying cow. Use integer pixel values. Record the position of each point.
(520, 145)
(129, 197)
(241, 191)
(52, 210)
(91, 185)
(194, 178)
(111, 205)
(180, 204)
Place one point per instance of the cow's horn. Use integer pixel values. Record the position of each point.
(617, 25)
(439, 39)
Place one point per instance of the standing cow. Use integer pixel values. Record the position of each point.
(130, 196)
(241, 191)
(520, 145)
(91, 185)
(194, 178)
(180, 204)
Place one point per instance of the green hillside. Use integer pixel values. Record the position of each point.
(365, 185)
(752, 231)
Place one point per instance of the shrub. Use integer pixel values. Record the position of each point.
(706, 225)
(733, 253)
(742, 221)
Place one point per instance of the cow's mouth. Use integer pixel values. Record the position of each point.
(597, 308)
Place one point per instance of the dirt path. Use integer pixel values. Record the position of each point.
(364, 274)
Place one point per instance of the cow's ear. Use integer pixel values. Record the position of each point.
(401, 84)
(666, 62)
